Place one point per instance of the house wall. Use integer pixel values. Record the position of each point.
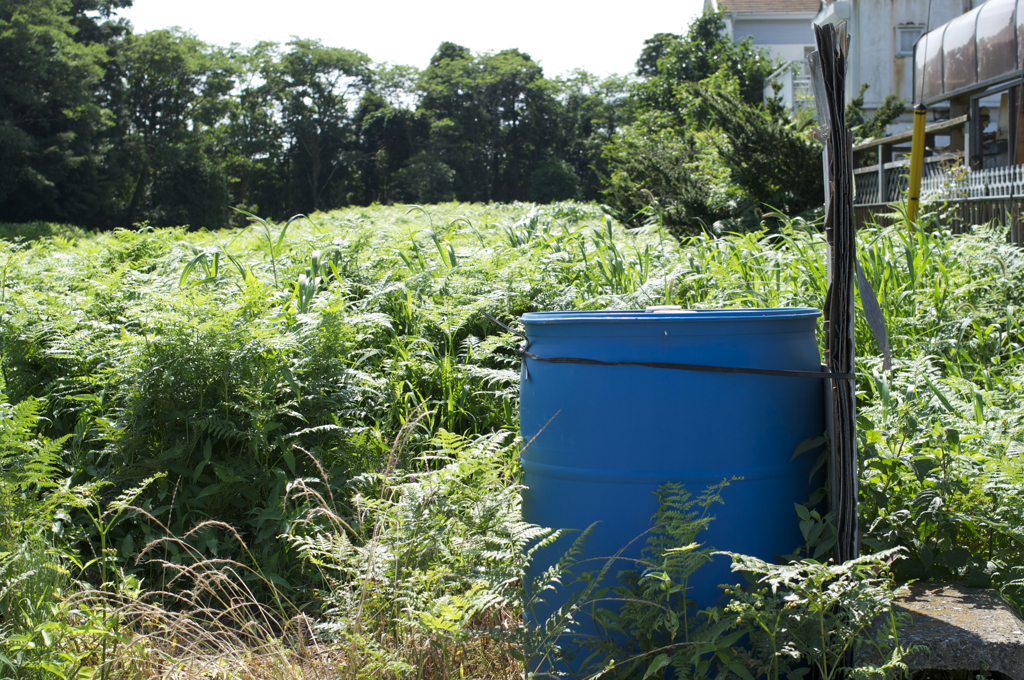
(774, 32)
(872, 25)
(783, 34)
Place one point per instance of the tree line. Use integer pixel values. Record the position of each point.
(104, 127)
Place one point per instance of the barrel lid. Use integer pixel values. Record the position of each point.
(663, 313)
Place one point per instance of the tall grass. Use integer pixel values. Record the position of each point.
(321, 407)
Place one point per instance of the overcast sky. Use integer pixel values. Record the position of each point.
(560, 35)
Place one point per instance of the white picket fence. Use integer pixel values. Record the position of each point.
(977, 196)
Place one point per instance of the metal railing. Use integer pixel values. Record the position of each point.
(794, 79)
(970, 196)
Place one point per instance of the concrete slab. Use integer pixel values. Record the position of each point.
(965, 628)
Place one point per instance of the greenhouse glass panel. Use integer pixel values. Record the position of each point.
(960, 64)
(997, 39)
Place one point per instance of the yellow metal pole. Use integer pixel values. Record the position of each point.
(916, 162)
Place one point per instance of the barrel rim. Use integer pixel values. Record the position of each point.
(747, 314)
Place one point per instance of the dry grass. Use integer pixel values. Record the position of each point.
(208, 623)
(215, 629)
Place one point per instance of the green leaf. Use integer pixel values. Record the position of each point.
(208, 491)
(802, 512)
(956, 558)
(942, 398)
(807, 445)
(824, 547)
(53, 668)
(289, 459)
(927, 557)
(740, 670)
(292, 382)
(278, 580)
(128, 546)
(657, 664)
(980, 575)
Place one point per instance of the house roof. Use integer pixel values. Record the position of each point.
(769, 5)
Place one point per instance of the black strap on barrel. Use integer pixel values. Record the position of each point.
(524, 353)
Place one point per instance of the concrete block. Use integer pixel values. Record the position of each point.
(969, 629)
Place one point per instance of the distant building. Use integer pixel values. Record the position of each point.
(882, 38)
(967, 71)
(883, 34)
(783, 27)
(972, 66)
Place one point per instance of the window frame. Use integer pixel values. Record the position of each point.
(905, 28)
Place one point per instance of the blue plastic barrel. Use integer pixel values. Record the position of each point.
(600, 440)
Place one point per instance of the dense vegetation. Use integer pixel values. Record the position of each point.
(106, 127)
(103, 127)
(289, 450)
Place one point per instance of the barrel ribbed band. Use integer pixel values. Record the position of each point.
(691, 367)
(524, 353)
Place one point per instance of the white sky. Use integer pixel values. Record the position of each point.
(558, 34)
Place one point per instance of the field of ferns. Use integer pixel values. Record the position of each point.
(291, 450)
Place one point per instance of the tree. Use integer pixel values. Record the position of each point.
(316, 87)
(590, 113)
(704, 151)
(390, 138)
(174, 96)
(654, 50)
(491, 117)
(669, 61)
(874, 126)
(255, 136)
(775, 165)
(450, 98)
(52, 60)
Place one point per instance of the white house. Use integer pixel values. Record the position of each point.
(883, 33)
(781, 26)
(882, 37)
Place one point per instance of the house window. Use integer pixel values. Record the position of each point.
(906, 36)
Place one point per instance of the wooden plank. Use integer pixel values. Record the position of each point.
(940, 158)
(940, 126)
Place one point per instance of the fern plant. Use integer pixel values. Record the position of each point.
(809, 613)
(434, 549)
(660, 631)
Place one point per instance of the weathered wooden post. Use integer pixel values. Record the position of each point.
(828, 77)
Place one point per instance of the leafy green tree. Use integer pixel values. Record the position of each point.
(705, 152)
(490, 119)
(654, 175)
(390, 138)
(254, 135)
(518, 103)
(317, 84)
(174, 96)
(875, 125)
(52, 60)
(590, 113)
(669, 61)
(654, 50)
(424, 179)
(554, 180)
(775, 165)
(450, 98)
(391, 132)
